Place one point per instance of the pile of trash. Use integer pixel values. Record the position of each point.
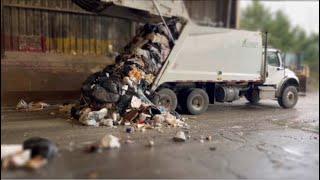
(34, 153)
(119, 94)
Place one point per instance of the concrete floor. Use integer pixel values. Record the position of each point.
(251, 141)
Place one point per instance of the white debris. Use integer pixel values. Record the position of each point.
(98, 115)
(22, 104)
(158, 118)
(115, 116)
(150, 143)
(10, 149)
(236, 127)
(127, 123)
(143, 116)
(92, 118)
(180, 137)
(110, 141)
(135, 102)
(107, 122)
(21, 159)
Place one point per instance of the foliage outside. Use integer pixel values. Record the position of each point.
(282, 35)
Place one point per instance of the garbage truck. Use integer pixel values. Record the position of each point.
(208, 64)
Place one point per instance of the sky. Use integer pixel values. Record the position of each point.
(302, 13)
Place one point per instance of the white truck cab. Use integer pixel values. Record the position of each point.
(280, 83)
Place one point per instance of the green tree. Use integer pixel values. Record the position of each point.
(281, 33)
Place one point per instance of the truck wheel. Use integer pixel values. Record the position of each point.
(289, 97)
(252, 95)
(167, 98)
(197, 101)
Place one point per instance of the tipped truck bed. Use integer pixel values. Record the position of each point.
(208, 54)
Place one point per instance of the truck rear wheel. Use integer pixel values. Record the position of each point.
(289, 97)
(252, 95)
(197, 101)
(167, 98)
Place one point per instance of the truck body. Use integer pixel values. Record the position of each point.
(209, 64)
(208, 54)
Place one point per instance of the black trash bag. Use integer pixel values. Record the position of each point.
(172, 25)
(149, 28)
(126, 69)
(109, 85)
(103, 96)
(75, 111)
(40, 147)
(86, 90)
(123, 103)
(92, 78)
(154, 111)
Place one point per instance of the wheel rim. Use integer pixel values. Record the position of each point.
(165, 101)
(291, 97)
(197, 103)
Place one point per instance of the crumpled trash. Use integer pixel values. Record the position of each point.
(23, 105)
(107, 122)
(40, 147)
(33, 153)
(10, 149)
(135, 102)
(180, 137)
(110, 142)
(150, 143)
(93, 118)
(20, 159)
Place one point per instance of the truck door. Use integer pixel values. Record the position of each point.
(275, 71)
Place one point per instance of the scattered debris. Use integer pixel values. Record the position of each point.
(150, 143)
(66, 108)
(209, 138)
(130, 129)
(213, 148)
(128, 141)
(107, 122)
(180, 137)
(23, 105)
(110, 141)
(236, 127)
(34, 153)
(36, 162)
(10, 149)
(40, 147)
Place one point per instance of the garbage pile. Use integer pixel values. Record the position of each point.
(119, 94)
(34, 153)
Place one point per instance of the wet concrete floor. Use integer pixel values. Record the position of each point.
(249, 141)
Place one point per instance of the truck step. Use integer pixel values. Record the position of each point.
(267, 92)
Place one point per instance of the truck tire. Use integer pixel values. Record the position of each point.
(197, 101)
(289, 97)
(252, 95)
(167, 98)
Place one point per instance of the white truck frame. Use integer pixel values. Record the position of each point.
(209, 64)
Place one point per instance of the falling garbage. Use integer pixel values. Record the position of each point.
(121, 91)
(33, 153)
